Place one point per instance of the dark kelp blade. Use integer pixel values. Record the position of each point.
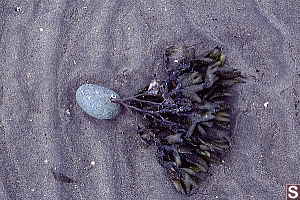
(178, 185)
(58, 176)
(189, 182)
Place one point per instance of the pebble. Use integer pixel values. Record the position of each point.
(95, 101)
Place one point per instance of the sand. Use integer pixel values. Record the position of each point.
(49, 48)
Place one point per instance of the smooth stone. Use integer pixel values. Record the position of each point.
(95, 101)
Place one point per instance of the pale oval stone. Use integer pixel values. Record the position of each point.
(95, 101)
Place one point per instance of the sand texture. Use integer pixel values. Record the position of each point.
(49, 48)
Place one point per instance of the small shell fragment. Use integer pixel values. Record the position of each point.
(266, 104)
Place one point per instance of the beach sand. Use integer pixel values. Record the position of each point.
(49, 48)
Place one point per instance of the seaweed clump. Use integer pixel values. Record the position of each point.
(187, 114)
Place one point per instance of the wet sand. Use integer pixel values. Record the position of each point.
(49, 48)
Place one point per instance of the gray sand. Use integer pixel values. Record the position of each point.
(49, 48)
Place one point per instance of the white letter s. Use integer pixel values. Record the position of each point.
(293, 190)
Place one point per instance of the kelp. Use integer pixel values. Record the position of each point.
(58, 176)
(188, 114)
